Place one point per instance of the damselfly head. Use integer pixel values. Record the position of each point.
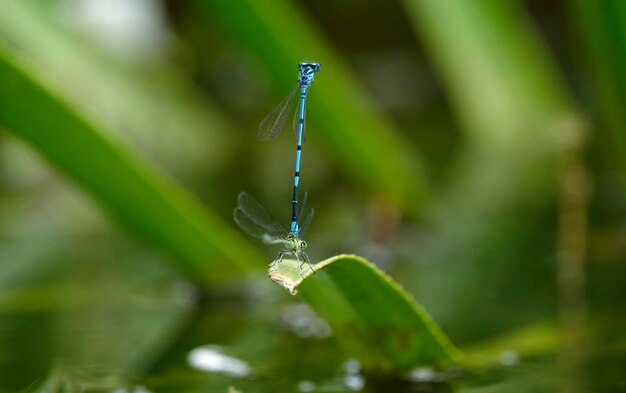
(309, 66)
(302, 244)
(307, 71)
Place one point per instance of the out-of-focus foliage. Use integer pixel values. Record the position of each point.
(344, 116)
(471, 149)
(148, 204)
(602, 34)
(515, 111)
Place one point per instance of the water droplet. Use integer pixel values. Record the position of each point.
(306, 386)
(509, 358)
(301, 320)
(354, 381)
(426, 374)
(210, 358)
(352, 366)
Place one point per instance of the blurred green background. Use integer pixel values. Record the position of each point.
(473, 150)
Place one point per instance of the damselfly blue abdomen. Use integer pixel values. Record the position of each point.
(274, 122)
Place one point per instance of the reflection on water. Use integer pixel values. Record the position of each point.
(306, 386)
(273, 346)
(65, 380)
(426, 374)
(252, 354)
(303, 322)
(354, 382)
(353, 379)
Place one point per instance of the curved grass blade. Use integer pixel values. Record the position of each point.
(372, 316)
(602, 25)
(129, 189)
(523, 134)
(186, 133)
(274, 122)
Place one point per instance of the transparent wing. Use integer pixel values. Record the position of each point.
(248, 225)
(302, 207)
(305, 223)
(255, 220)
(296, 118)
(275, 120)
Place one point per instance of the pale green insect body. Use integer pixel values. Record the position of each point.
(255, 220)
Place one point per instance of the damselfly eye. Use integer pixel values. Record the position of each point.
(302, 244)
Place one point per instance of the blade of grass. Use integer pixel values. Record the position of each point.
(372, 316)
(514, 107)
(342, 112)
(602, 30)
(153, 107)
(503, 82)
(154, 207)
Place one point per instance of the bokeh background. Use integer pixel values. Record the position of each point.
(474, 150)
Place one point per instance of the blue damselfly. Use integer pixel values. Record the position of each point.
(273, 123)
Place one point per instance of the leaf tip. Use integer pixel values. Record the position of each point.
(288, 274)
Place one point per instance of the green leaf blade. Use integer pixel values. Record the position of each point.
(376, 320)
(134, 192)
